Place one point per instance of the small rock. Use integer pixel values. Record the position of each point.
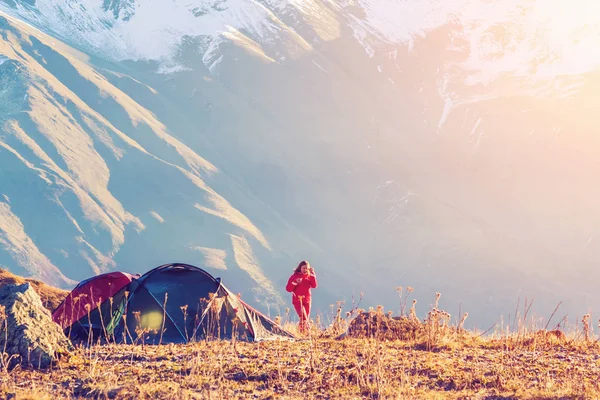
(27, 332)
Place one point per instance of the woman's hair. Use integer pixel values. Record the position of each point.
(302, 264)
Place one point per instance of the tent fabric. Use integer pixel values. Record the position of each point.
(154, 305)
(173, 303)
(89, 306)
(179, 303)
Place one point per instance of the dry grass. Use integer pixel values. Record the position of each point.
(320, 368)
(425, 360)
(51, 296)
(378, 357)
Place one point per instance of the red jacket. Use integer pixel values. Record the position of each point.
(302, 288)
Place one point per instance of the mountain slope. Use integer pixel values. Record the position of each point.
(139, 30)
(450, 147)
(63, 156)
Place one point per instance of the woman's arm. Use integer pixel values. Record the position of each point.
(291, 285)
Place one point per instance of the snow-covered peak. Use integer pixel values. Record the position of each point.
(153, 30)
(539, 38)
(499, 36)
(121, 9)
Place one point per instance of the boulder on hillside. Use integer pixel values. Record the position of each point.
(27, 333)
(50, 295)
(381, 326)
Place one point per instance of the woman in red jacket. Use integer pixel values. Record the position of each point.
(299, 285)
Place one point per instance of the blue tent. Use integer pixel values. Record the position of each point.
(180, 303)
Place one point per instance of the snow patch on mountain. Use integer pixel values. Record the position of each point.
(144, 32)
(213, 258)
(320, 16)
(245, 42)
(534, 47)
(401, 21)
(542, 39)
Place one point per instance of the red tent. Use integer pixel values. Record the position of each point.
(90, 304)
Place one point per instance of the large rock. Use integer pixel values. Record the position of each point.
(27, 333)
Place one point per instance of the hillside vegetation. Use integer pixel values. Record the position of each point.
(378, 356)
